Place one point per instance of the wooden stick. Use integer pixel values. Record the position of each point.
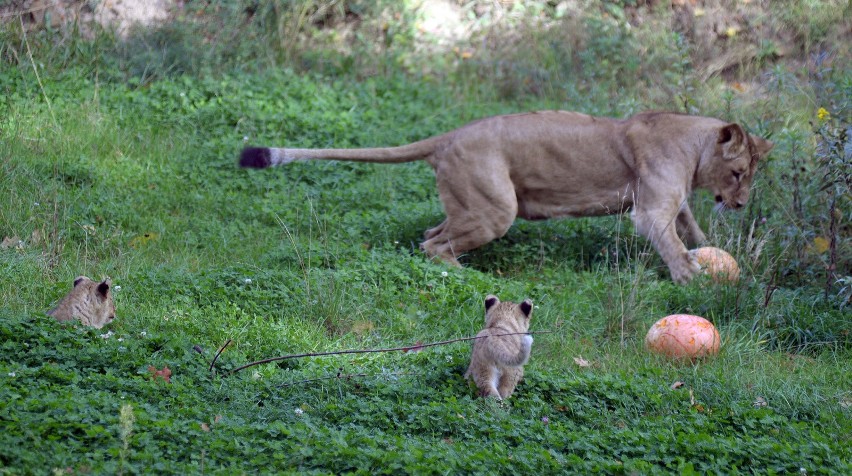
(415, 347)
(221, 349)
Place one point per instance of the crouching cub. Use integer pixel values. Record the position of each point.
(496, 365)
(89, 301)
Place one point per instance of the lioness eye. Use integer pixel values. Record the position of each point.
(737, 175)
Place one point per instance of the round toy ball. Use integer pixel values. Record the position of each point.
(682, 336)
(718, 263)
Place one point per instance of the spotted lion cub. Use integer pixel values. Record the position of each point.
(89, 301)
(496, 364)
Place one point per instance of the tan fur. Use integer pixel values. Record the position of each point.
(563, 164)
(89, 301)
(496, 363)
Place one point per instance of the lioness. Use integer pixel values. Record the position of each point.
(554, 163)
(497, 360)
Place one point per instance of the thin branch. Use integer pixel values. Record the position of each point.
(216, 357)
(341, 376)
(415, 347)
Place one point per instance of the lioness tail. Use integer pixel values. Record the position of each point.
(262, 157)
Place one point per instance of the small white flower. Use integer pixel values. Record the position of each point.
(11, 374)
(143, 334)
(444, 274)
(248, 281)
(256, 376)
(395, 242)
(121, 339)
(182, 94)
(299, 411)
(245, 138)
(449, 358)
(535, 307)
(36, 203)
(106, 336)
(116, 288)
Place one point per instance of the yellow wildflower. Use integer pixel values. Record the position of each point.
(823, 114)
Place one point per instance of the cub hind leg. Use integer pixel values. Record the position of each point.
(509, 380)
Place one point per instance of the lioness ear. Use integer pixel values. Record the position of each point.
(103, 288)
(763, 146)
(526, 307)
(732, 138)
(490, 301)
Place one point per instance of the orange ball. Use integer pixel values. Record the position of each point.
(718, 263)
(682, 336)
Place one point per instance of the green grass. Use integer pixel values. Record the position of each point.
(137, 180)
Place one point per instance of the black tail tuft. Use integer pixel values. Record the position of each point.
(255, 158)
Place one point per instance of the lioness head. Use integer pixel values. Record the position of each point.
(733, 165)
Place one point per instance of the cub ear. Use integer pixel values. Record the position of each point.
(732, 138)
(526, 307)
(763, 146)
(490, 301)
(79, 279)
(103, 288)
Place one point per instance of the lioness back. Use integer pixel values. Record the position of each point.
(88, 301)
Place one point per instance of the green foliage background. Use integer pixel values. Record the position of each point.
(118, 159)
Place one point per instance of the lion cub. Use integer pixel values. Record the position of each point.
(89, 301)
(496, 364)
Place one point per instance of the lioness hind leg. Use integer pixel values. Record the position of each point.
(432, 232)
(480, 205)
(451, 242)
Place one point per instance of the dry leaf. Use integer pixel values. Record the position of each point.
(165, 374)
(846, 402)
(677, 385)
(820, 245)
(205, 427)
(759, 402)
(143, 239)
(581, 362)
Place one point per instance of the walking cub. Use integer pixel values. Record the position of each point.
(89, 301)
(496, 364)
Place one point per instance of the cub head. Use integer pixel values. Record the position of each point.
(734, 162)
(89, 301)
(508, 314)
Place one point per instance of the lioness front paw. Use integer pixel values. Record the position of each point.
(684, 270)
